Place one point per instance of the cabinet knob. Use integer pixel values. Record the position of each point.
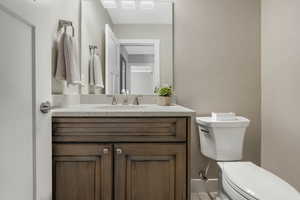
(105, 151)
(119, 151)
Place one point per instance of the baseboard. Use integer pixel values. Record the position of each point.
(198, 185)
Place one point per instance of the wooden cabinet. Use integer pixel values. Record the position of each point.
(87, 168)
(150, 172)
(82, 172)
(86, 129)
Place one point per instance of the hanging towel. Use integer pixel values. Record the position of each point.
(71, 60)
(60, 70)
(95, 72)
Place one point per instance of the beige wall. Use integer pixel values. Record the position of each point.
(280, 88)
(217, 64)
(162, 32)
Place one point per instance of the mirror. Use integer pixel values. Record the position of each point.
(126, 46)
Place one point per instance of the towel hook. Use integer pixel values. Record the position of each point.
(64, 24)
(93, 49)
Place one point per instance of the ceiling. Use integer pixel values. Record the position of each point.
(160, 14)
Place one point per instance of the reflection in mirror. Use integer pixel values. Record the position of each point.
(133, 42)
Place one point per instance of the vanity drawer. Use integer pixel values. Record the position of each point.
(96, 129)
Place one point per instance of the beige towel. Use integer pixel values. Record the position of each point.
(95, 72)
(71, 60)
(60, 70)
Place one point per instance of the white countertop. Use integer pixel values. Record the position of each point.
(105, 110)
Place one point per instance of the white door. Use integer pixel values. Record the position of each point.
(112, 62)
(25, 77)
(154, 47)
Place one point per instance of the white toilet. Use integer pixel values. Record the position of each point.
(223, 141)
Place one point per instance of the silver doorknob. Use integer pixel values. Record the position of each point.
(119, 151)
(45, 107)
(105, 151)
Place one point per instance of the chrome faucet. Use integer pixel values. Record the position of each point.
(137, 100)
(125, 99)
(114, 100)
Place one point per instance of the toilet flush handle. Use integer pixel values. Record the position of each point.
(205, 131)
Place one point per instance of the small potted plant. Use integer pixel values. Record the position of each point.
(164, 97)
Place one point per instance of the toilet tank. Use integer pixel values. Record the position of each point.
(222, 140)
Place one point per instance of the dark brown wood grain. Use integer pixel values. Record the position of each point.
(150, 172)
(119, 129)
(189, 157)
(82, 172)
(154, 163)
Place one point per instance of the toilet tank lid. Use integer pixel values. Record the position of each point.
(258, 182)
(209, 122)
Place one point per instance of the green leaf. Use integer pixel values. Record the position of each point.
(165, 91)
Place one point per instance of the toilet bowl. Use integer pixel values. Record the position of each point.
(222, 141)
(246, 181)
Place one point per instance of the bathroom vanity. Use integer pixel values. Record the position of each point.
(105, 152)
(121, 152)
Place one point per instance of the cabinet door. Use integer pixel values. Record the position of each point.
(82, 172)
(150, 172)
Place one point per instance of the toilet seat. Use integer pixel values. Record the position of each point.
(246, 181)
(235, 192)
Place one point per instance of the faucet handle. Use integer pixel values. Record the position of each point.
(137, 100)
(114, 99)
